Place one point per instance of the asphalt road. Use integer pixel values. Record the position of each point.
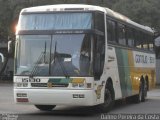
(22, 112)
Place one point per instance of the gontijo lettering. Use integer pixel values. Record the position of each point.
(144, 59)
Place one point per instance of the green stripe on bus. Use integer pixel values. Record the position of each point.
(124, 72)
(60, 80)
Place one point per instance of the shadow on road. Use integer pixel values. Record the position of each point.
(82, 111)
(71, 111)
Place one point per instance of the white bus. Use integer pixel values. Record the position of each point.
(81, 55)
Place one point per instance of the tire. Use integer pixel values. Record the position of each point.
(142, 93)
(109, 99)
(45, 107)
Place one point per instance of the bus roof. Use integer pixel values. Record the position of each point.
(81, 7)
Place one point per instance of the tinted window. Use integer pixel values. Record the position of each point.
(56, 21)
(99, 56)
(138, 36)
(150, 43)
(99, 21)
(52, 57)
(121, 34)
(111, 30)
(130, 36)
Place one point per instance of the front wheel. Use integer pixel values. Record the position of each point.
(108, 99)
(45, 107)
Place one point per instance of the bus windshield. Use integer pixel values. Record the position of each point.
(55, 55)
(55, 21)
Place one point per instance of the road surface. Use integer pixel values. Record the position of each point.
(29, 112)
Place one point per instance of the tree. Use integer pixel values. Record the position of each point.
(145, 12)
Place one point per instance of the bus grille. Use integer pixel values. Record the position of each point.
(45, 85)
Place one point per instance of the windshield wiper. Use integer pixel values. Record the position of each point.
(56, 55)
(43, 58)
(39, 60)
(35, 67)
(45, 45)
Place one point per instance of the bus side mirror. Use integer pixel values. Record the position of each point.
(10, 47)
(2, 57)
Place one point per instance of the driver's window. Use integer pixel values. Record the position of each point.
(99, 56)
(85, 54)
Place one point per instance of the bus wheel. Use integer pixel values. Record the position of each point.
(108, 98)
(45, 107)
(142, 93)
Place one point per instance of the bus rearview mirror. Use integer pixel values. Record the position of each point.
(10, 47)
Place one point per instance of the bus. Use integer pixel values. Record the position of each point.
(6, 62)
(81, 55)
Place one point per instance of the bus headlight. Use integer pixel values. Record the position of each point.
(81, 85)
(78, 83)
(25, 84)
(75, 85)
(21, 84)
(17, 84)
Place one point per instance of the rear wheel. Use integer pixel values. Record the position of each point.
(142, 93)
(45, 107)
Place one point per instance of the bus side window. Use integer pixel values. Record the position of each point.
(145, 41)
(150, 43)
(121, 34)
(111, 31)
(99, 56)
(130, 37)
(85, 55)
(138, 36)
(99, 21)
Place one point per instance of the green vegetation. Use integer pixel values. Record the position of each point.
(145, 12)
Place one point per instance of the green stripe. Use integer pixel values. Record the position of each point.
(124, 72)
(60, 80)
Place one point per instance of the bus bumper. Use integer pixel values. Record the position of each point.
(55, 97)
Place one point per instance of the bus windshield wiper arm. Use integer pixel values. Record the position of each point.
(34, 69)
(40, 58)
(63, 68)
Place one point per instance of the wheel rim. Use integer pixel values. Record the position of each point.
(108, 98)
